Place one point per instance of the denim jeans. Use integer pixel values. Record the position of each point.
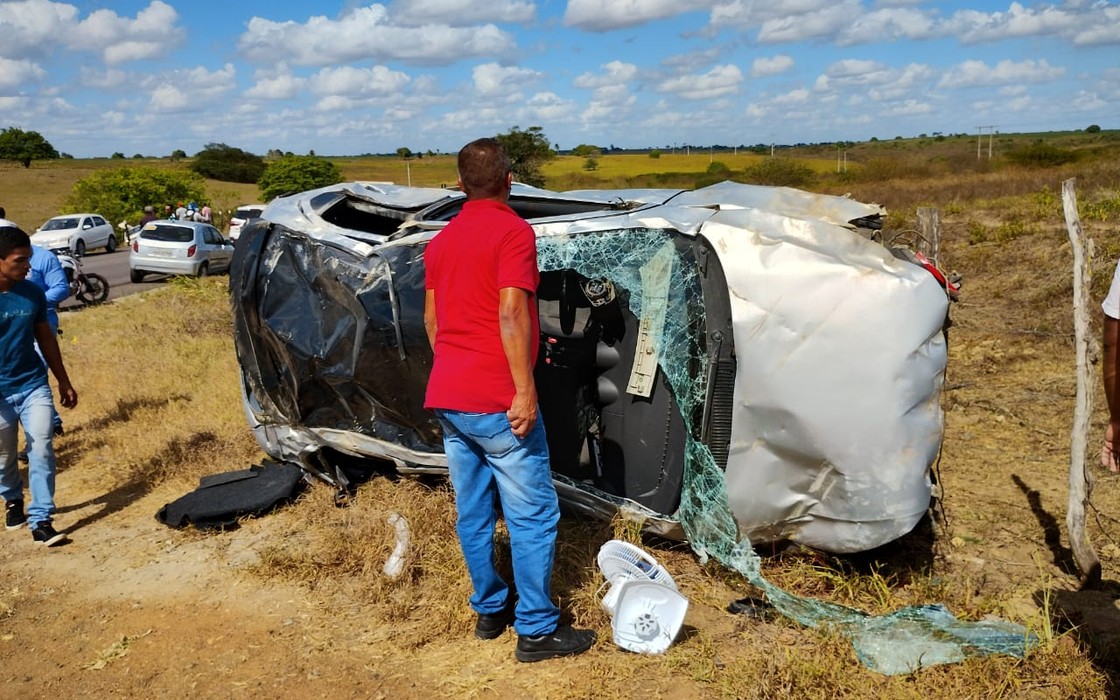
(487, 462)
(34, 409)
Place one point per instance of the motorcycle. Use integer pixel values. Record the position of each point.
(86, 287)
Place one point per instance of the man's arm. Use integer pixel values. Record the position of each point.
(58, 288)
(48, 344)
(430, 324)
(517, 329)
(1110, 452)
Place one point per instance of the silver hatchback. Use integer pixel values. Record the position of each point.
(178, 248)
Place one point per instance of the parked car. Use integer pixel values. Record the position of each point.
(734, 350)
(243, 214)
(76, 232)
(178, 248)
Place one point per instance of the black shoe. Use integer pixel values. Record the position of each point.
(13, 515)
(565, 641)
(492, 626)
(44, 533)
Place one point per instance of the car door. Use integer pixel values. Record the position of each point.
(220, 252)
(101, 230)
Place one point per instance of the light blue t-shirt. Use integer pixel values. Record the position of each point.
(21, 307)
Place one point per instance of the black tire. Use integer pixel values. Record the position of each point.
(94, 290)
(203, 269)
(80, 248)
(136, 276)
(111, 245)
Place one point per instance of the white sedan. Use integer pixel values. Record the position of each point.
(76, 232)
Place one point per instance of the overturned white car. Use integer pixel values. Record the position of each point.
(756, 332)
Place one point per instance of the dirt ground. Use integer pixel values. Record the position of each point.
(131, 608)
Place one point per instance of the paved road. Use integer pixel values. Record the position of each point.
(114, 267)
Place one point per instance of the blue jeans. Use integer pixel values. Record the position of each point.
(488, 462)
(34, 409)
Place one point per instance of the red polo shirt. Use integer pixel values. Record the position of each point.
(483, 250)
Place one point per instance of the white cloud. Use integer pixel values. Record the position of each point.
(277, 87)
(1084, 23)
(799, 96)
(42, 27)
(822, 22)
(191, 90)
(599, 16)
(491, 79)
(888, 24)
(13, 73)
(614, 73)
(367, 33)
(31, 27)
(771, 65)
(547, 107)
(720, 80)
(358, 83)
(977, 73)
(461, 13)
(909, 108)
(608, 103)
(151, 35)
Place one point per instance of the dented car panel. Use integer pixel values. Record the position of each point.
(752, 323)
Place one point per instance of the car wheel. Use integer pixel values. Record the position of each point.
(111, 244)
(204, 269)
(136, 276)
(80, 248)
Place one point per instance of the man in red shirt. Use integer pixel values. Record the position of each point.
(480, 315)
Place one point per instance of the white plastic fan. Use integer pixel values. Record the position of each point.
(646, 609)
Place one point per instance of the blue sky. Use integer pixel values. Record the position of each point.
(350, 77)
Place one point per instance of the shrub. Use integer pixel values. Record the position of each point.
(591, 164)
(1041, 155)
(655, 153)
(297, 174)
(120, 194)
(228, 164)
(781, 172)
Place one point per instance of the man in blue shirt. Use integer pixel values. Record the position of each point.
(25, 394)
(47, 274)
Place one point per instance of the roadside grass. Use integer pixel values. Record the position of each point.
(160, 407)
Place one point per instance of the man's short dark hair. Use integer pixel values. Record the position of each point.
(12, 237)
(483, 168)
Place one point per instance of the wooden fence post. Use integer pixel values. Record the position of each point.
(929, 226)
(1080, 484)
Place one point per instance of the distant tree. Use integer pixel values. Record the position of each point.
(528, 150)
(591, 164)
(117, 156)
(1093, 129)
(218, 161)
(404, 153)
(874, 139)
(120, 194)
(136, 155)
(178, 154)
(25, 146)
(297, 174)
(587, 151)
(274, 154)
(655, 153)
